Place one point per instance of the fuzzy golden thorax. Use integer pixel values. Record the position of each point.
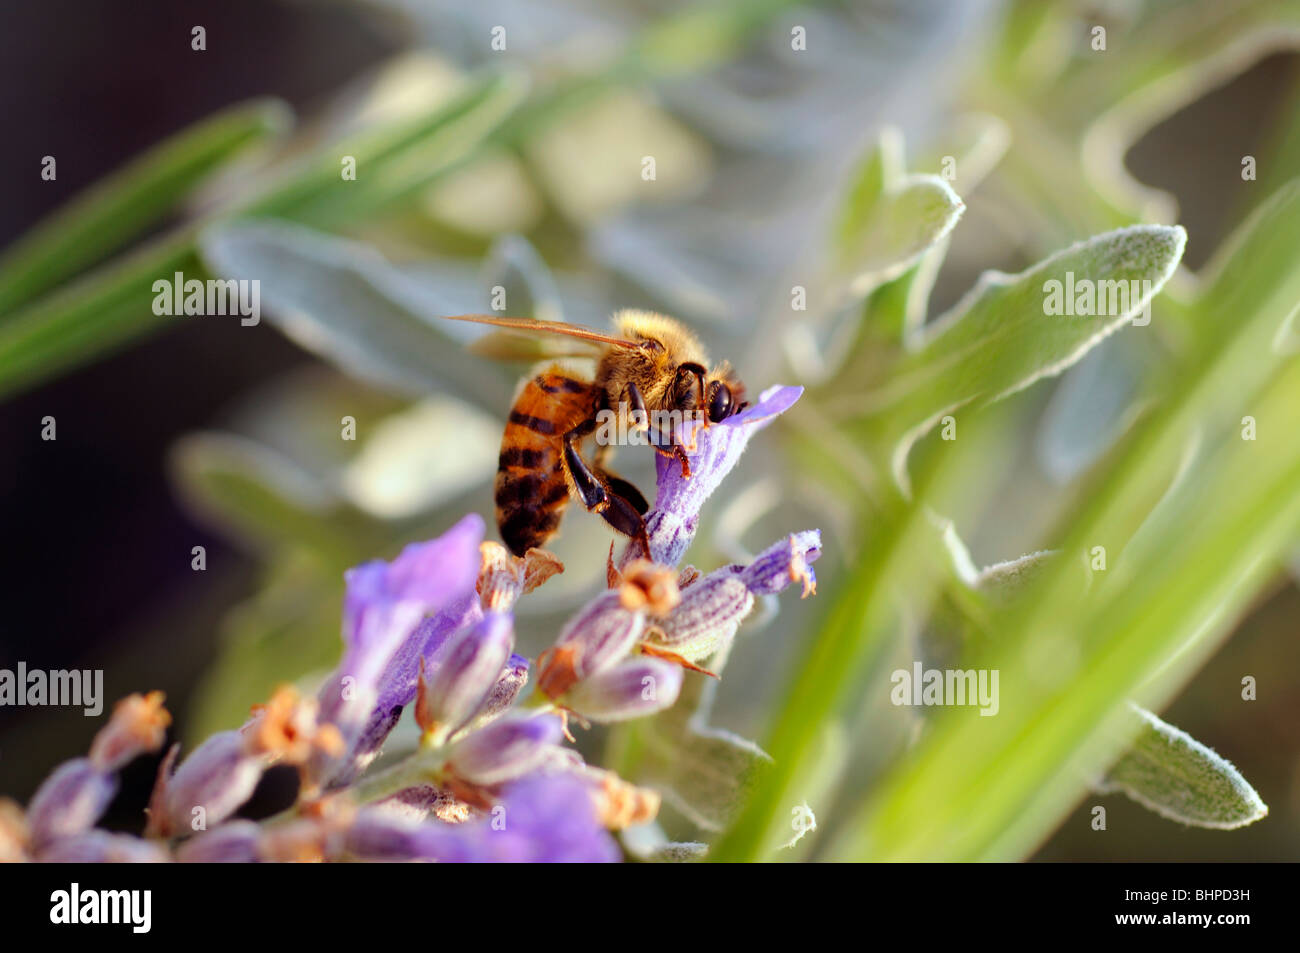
(657, 369)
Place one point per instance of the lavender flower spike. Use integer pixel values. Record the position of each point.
(382, 613)
(77, 793)
(672, 521)
(222, 773)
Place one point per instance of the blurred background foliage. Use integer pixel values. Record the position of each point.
(910, 148)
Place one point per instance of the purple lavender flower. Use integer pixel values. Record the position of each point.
(101, 847)
(501, 579)
(78, 792)
(69, 801)
(465, 671)
(633, 688)
(509, 684)
(385, 637)
(222, 773)
(672, 521)
(235, 842)
(713, 607)
(506, 749)
(542, 819)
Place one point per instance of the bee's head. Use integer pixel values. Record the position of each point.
(718, 393)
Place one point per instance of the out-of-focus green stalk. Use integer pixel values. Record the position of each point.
(45, 337)
(118, 208)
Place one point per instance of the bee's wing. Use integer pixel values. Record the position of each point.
(522, 339)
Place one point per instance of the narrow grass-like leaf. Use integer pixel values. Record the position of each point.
(118, 208)
(113, 304)
(91, 317)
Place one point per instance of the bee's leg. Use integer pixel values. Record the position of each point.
(619, 512)
(637, 403)
(700, 375)
(626, 490)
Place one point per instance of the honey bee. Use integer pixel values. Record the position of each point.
(651, 366)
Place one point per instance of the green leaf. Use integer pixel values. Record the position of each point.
(113, 304)
(91, 317)
(122, 205)
(858, 632)
(1000, 339)
(342, 300)
(1140, 631)
(263, 499)
(1168, 771)
(886, 227)
(705, 773)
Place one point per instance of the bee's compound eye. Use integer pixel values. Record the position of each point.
(719, 402)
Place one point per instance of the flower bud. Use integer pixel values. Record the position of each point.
(503, 577)
(712, 608)
(138, 725)
(785, 562)
(631, 689)
(235, 842)
(69, 802)
(710, 612)
(210, 785)
(101, 847)
(511, 681)
(465, 673)
(506, 749)
(598, 636)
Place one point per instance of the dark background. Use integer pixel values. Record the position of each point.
(96, 548)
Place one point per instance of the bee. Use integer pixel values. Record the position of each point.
(651, 365)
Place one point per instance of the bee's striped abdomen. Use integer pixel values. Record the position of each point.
(531, 491)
